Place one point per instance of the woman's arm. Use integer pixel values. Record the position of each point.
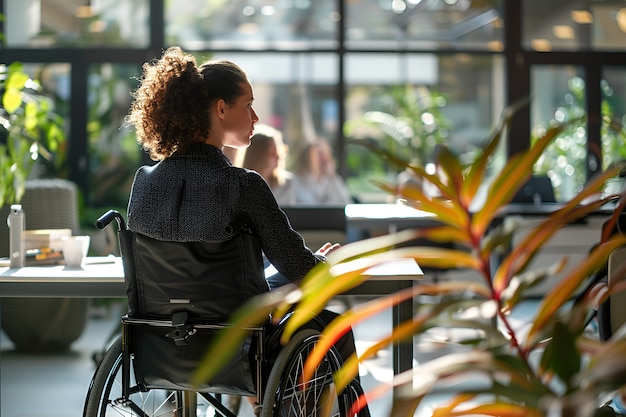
(283, 246)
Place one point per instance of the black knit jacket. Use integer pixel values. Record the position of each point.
(192, 197)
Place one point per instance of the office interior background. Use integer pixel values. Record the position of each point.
(406, 74)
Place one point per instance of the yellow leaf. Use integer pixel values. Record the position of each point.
(12, 100)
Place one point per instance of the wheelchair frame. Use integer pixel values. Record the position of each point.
(279, 390)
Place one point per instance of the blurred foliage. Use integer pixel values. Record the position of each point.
(408, 122)
(565, 159)
(113, 152)
(575, 370)
(30, 131)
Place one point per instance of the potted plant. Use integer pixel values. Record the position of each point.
(574, 370)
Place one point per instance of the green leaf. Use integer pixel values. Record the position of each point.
(560, 355)
(31, 121)
(476, 173)
(55, 136)
(512, 177)
(227, 342)
(16, 80)
(565, 288)
(12, 100)
(607, 369)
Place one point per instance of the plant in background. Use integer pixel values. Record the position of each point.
(29, 130)
(565, 159)
(409, 122)
(113, 153)
(553, 369)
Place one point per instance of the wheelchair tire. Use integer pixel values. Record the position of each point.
(104, 398)
(286, 396)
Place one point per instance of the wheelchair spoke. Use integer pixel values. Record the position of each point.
(105, 398)
(293, 397)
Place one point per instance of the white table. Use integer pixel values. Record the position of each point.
(386, 217)
(99, 277)
(396, 216)
(103, 277)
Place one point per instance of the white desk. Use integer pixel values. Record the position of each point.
(388, 217)
(103, 277)
(99, 277)
(399, 216)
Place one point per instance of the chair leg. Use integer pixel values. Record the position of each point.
(191, 404)
(234, 402)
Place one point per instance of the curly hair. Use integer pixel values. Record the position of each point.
(170, 110)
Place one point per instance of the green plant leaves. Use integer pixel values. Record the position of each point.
(560, 355)
(573, 369)
(12, 100)
(32, 130)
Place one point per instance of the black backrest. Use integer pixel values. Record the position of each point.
(208, 280)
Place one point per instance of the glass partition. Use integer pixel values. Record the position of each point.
(574, 25)
(411, 104)
(76, 23)
(613, 129)
(114, 155)
(559, 94)
(431, 25)
(262, 24)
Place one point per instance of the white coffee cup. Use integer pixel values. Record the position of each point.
(75, 250)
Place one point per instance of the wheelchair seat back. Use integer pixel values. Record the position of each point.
(208, 280)
(178, 293)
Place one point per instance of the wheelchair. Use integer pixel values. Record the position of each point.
(146, 371)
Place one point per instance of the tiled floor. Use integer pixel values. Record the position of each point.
(55, 385)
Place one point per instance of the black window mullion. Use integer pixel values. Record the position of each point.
(593, 106)
(341, 88)
(517, 78)
(78, 139)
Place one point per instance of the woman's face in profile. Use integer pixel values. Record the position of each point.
(239, 119)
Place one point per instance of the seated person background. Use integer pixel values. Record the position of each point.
(317, 181)
(266, 155)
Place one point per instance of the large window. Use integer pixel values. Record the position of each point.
(583, 77)
(412, 104)
(257, 25)
(112, 149)
(443, 69)
(574, 25)
(76, 23)
(559, 95)
(614, 116)
(426, 25)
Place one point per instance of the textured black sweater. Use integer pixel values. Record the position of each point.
(192, 197)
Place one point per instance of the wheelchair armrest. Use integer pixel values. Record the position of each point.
(108, 217)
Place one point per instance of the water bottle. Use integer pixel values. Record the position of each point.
(16, 222)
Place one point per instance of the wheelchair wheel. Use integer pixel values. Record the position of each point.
(105, 394)
(285, 393)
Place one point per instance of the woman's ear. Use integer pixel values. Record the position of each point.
(220, 108)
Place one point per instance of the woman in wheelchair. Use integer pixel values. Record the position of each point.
(184, 115)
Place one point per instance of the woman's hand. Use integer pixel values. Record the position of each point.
(327, 248)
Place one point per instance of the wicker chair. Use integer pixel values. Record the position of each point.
(44, 324)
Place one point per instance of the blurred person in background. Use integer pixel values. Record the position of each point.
(316, 178)
(267, 156)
